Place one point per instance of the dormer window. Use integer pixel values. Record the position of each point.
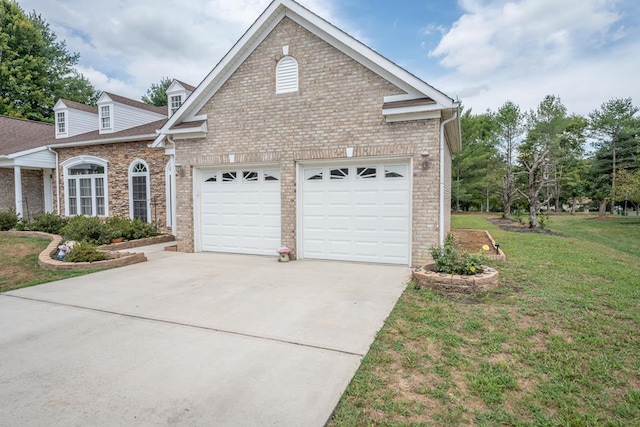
(105, 117)
(61, 122)
(176, 102)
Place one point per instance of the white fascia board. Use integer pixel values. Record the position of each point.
(196, 129)
(103, 98)
(26, 152)
(411, 109)
(104, 141)
(159, 141)
(405, 117)
(59, 105)
(189, 135)
(175, 86)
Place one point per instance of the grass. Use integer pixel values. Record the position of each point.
(557, 344)
(19, 261)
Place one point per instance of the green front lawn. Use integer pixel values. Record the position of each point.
(557, 344)
(19, 261)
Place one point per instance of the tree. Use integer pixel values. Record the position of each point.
(546, 128)
(510, 122)
(476, 167)
(628, 188)
(35, 69)
(157, 93)
(616, 128)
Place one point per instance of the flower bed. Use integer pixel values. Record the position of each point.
(480, 282)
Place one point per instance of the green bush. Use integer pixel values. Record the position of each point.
(84, 252)
(8, 219)
(451, 260)
(87, 229)
(130, 229)
(47, 223)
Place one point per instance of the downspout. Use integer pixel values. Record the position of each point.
(442, 207)
(57, 181)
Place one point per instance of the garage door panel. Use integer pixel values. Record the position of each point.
(354, 217)
(242, 216)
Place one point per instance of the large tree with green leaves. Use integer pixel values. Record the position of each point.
(616, 130)
(157, 93)
(35, 68)
(510, 122)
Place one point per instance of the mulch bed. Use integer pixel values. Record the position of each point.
(510, 225)
(471, 240)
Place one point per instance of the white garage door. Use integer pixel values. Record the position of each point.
(357, 212)
(240, 211)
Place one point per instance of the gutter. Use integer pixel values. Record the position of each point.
(106, 141)
(442, 142)
(174, 195)
(57, 181)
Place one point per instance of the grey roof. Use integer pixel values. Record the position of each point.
(80, 106)
(137, 104)
(146, 129)
(20, 134)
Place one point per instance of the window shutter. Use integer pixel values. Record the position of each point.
(287, 75)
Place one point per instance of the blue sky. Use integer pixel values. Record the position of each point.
(483, 52)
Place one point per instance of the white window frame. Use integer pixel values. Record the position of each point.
(61, 119)
(75, 161)
(175, 102)
(284, 86)
(109, 116)
(147, 175)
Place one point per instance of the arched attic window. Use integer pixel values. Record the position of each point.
(287, 75)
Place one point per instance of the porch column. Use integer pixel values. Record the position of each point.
(48, 190)
(17, 179)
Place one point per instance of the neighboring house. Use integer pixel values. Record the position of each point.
(303, 137)
(93, 161)
(26, 166)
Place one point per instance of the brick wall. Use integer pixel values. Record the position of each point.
(338, 105)
(32, 191)
(119, 157)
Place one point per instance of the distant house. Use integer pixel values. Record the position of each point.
(303, 137)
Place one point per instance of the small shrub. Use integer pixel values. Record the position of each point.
(449, 259)
(8, 219)
(84, 252)
(543, 219)
(87, 229)
(130, 229)
(47, 223)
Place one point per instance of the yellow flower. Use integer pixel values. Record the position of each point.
(485, 247)
(473, 269)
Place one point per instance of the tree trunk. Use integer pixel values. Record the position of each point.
(533, 216)
(603, 207)
(573, 206)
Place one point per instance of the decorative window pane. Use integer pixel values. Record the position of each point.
(86, 200)
(272, 175)
(313, 174)
(229, 176)
(367, 172)
(105, 114)
(176, 102)
(86, 169)
(100, 196)
(287, 75)
(395, 171)
(61, 123)
(341, 173)
(139, 195)
(139, 167)
(86, 190)
(210, 176)
(249, 176)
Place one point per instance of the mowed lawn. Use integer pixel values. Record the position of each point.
(19, 263)
(557, 345)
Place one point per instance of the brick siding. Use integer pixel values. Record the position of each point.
(32, 191)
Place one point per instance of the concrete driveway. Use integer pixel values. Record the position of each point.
(191, 339)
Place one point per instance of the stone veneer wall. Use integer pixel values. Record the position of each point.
(32, 191)
(338, 105)
(120, 156)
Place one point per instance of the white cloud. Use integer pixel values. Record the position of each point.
(522, 50)
(125, 46)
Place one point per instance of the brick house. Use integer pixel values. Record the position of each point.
(303, 137)
(95, 160)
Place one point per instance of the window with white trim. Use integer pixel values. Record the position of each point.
(105, 117)
(176, 102)
(86, 189)
(139, 202)
(61, 122)
(287, 75)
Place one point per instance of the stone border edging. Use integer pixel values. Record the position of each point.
(46, 261)
(163, 238)
(482, 282)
